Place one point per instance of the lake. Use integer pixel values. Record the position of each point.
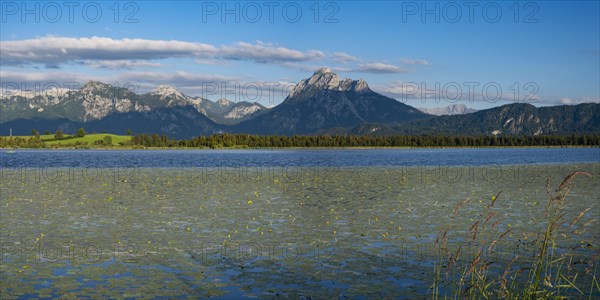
(298, 158)
(285, 223)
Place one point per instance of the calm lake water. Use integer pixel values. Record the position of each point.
(279, 223)
(261, 158)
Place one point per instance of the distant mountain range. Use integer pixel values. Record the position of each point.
(513, 119)
(97, 100)
(450, 110)
(321, 104)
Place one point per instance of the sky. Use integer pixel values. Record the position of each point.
(425, 54)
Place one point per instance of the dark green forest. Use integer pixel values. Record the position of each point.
(297, 141)
(254, 141)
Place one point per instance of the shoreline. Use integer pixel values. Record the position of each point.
(294, 148)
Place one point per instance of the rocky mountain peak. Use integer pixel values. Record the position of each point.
(92, 85)
(322, 71)
(224, 102)
(164, 90)
(325, 79)
(361, 86)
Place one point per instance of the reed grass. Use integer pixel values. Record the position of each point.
(542, 271)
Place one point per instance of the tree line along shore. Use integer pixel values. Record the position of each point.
(81, 139)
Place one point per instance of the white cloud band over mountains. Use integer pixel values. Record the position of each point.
(141, 61)
(52, 50)
(235, 88)
(113, 54)
(381, 68)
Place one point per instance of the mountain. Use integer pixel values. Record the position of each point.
(227, 112)
(244, 111)
(94, 100)
(321, 104)
(513, 119)
(450, 110)
(324, 101)
(181, 122)
(97, 100)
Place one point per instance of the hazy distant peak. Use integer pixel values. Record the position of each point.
(450, 110)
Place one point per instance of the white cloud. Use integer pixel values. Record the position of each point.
(29, 80)
(51, 50)
(400, 89)
(566, 101)
(300, 67)
(343, 58)
(414, 61)
(121, 64)
(212, 62)
(180, 77)
(265, 53)
(341, 69)
(380, 68)
(145, 80)
(578, 100)
(313, 68)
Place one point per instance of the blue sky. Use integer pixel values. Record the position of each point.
(547, 50)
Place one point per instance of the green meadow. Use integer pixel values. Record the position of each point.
(72, 140)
